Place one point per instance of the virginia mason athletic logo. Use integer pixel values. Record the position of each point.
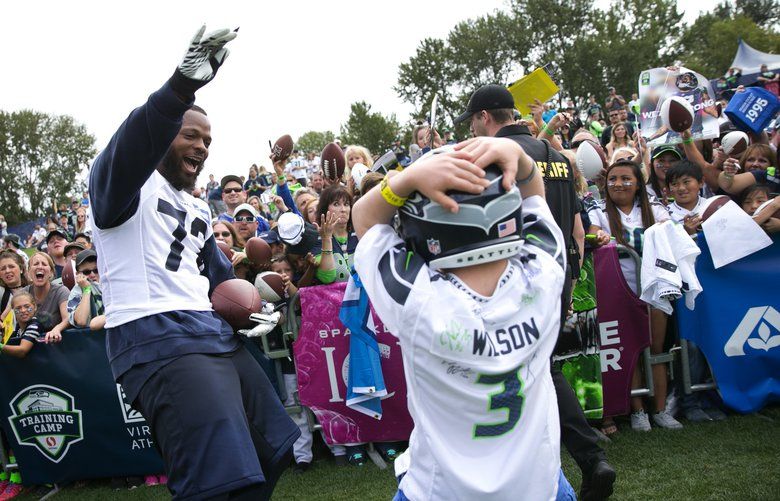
(46, 418)
(761, 320)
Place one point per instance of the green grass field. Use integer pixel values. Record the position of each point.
(738, 459)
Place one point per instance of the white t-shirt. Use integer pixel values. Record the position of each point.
(477, 368)
(633, 231)
(678, 213)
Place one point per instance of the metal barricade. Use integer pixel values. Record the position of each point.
(648, 359)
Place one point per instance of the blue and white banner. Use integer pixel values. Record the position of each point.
(736, 324)
(65, 417)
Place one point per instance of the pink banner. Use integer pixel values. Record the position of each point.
(624, 330)
(322, 360)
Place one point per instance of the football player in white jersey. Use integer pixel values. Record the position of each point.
(214, 415)
(447, 285)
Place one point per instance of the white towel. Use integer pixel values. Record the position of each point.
(668, 269)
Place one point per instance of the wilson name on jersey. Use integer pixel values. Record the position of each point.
(477, 368)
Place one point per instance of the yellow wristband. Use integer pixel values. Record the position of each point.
(389, 196)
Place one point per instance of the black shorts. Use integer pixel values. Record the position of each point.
(218, 424)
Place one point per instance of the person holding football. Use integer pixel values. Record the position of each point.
(220, 428)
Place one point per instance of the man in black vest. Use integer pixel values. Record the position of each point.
(491, 113)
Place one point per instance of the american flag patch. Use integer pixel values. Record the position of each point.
(508, 227)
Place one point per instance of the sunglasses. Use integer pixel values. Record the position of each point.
(223, 234)
(232, 190)
(89, 271)
(244, 219)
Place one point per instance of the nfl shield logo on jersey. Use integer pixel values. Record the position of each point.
(434, 247)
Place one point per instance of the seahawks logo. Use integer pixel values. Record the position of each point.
(46, 418)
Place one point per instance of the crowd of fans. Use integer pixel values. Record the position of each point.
(306, 219)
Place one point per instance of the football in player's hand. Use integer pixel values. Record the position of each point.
(69, 274)
(270, 285)
(735, 142)
(677, 114)
(332, 162)
(226, 250)
(591, 159)
(234, 300)
(258, 251)
(713, 204)
(282, 149)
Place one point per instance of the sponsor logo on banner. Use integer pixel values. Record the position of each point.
(761, 320)
(46, 418)
(129, 414)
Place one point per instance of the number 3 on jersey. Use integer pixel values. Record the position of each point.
(198, 226)
(510, 397)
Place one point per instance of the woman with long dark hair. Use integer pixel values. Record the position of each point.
(624, 215)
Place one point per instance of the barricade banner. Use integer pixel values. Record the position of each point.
(322, 361)
(736, 324)
(65, 417)
(624, 330)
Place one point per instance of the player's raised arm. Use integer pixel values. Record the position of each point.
(139, 145)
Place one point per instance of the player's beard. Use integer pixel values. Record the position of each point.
(173, 171)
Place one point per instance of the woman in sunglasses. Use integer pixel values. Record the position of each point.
(624, 214)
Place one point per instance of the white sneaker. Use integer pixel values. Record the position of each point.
(665, 420)
(640, 421)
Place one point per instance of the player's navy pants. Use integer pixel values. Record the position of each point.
(219, 425)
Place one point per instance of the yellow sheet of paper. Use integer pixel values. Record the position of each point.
(535, 85)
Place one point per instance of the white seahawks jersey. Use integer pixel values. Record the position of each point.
(633, 232)
(477, 368)
(148, 264)
(678, 213)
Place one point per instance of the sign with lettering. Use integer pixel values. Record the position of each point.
(322, 361)
(657, 85)
(66, 418)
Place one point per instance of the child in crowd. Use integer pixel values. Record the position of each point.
(756, 197)
(684, 181)
(477, 362)
(624, 214)
(27, 331)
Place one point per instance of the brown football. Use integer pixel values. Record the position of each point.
(270, 285)
(234, 300)
(713, 204)
(258, 251)
(69, 274)
(226, 250)
(332, 161)
(677, 114)
(763, 206)
(282, 148)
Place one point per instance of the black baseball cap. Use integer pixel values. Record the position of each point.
(271, 237)
(487, 97)
(74, 245)
(84, 255)
(666, 148)
(56, 231)
(230, 177)
(13, 238)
